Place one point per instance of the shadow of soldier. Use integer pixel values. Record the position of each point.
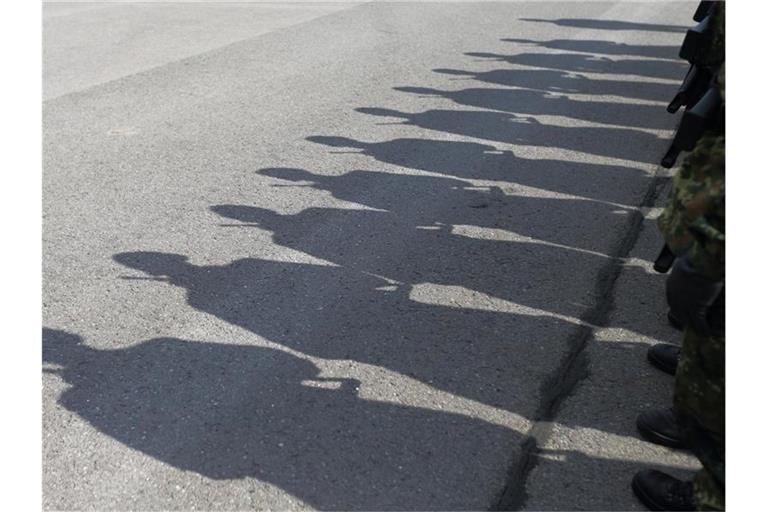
(525, 101)
(444, 200)
(236, 411)
(472, 160)
(578, 63)
(604, 47)
(516, 129)
(337, 313)
(509, 263)
(610, 24)
(568, 82)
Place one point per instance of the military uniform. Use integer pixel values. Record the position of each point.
(693, 224)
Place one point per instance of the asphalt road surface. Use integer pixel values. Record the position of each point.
(353, 255)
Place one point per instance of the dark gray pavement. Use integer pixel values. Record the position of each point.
(341, 256)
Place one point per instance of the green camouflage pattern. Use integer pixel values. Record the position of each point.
(707, 494)
(700, 401)
(693, 224)
(693, 221)
(715, 54)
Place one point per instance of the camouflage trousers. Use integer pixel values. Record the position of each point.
(700, 400)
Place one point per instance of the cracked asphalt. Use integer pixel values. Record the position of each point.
(376, 256)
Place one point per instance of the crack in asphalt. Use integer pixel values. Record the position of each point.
(574, 366)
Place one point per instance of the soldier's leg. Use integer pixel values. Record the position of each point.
(700, 401)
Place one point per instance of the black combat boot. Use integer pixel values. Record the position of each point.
(661, 426)
(664, 357)
(660, 491)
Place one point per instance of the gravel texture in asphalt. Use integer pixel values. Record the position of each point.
(353, 256)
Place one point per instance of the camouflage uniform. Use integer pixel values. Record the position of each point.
(715, 54)
(693, 224)
(690, 222)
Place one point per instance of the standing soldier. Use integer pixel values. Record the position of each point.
(693, 224)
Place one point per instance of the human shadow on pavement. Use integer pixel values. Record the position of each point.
(514, 266)
(523, 101)
(385, 191)
(262, 413)
(338, 313)
(461, 194)
(610, 24)
(542, 257)
(564, 82)
(578, 63)
(472, 160)
(604, 47)
(622, 143)
(230, 411)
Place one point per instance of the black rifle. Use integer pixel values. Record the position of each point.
(704, 115)
(664, 260)
(697, 41)
(694, 86)
(703, 10)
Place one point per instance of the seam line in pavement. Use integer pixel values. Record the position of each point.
(573, 368)
(210, 51)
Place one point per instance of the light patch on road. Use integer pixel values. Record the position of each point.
(609, 98)
(652, 213)
(557, 441)
(322, 384)
(461, 297)
(95, 43)
(623, 335)
(517, 189)
(378, 384)
(639, 263)
(572, 122)
(504, 235)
